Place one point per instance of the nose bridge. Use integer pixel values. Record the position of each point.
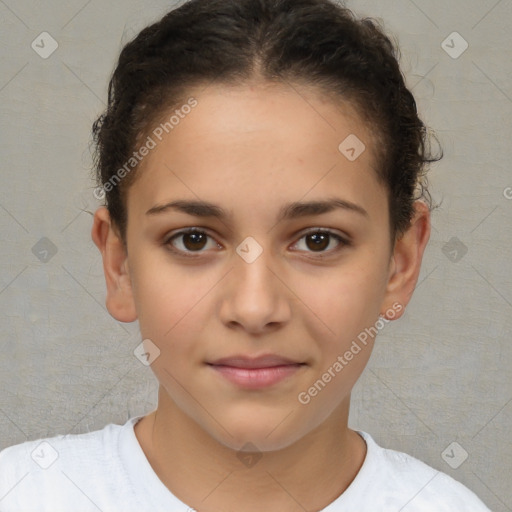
(252, 264)
(252, 272)
(254, 296)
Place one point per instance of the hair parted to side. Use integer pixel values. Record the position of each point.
(309, 42)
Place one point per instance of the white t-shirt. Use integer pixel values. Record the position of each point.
(108, 471)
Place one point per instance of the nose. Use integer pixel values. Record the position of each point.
(254, 298)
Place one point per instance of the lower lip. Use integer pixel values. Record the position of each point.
(257, 378)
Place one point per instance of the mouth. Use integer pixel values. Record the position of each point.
(256, 372)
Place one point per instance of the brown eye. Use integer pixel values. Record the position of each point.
(194, 241)
(190, 241)
(320, 240)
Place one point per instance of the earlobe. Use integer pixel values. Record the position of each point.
(406, 260)
(120, 301)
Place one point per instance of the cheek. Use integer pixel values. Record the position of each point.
(342, 303)
(347, 311)
(171, 307)
(169, 300)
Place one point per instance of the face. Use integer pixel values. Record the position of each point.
(265, 297)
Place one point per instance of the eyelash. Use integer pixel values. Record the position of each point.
(343, 242)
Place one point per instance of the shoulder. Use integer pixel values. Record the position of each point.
(35, 471)
(411, 485)
(82, 449)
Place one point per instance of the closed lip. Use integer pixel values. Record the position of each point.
(265, 361)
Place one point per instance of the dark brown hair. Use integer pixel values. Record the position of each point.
(310, 42)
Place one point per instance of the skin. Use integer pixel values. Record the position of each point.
(251, 149)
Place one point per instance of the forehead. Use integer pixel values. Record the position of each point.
(245, 146)
(282, 113)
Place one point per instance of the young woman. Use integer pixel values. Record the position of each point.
(263, 167)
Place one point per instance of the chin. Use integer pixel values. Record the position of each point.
(265, 432)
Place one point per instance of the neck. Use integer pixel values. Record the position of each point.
(203, 473)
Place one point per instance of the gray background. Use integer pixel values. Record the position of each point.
(439, 375)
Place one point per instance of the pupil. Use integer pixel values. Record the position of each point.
(196, 242)
(320, 240)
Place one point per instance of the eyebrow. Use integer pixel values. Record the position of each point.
(287, 212)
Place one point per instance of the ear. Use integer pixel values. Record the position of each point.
(120, 302)
(405, 264)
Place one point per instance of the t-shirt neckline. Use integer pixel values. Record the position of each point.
(143, 477)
